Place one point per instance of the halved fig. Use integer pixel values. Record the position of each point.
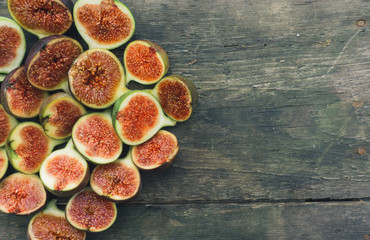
(137, 116)
(97, 78)
(119, 180)
(49, 60)
(3, 162)
(65, 172)
(51, 223)
(27, 146)
(12, 45)
(177, 96)
(59, 113)
(42, 18)
(145, 62)
(7, 123)
(19, 97)
(103, 23)
(88, 211)
(21, 194)
(157, 152)
(96, 139)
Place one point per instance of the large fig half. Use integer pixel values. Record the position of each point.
(137, 116)
(42, 17)
(97, 78)
(88, 211)
(12, 45)
(103, 23)
(21, 194)
(51, 224)
(3, 162)
(7, 123)
(49, 60)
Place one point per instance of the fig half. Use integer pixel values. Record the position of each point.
(3, 162)
(21, 194)
(19, 97)
(51, 223)
(7, 123)
(88, 211)
(103, 23)
(145, 62)
(137, 116)
(65, 172)
(119, 180)
(49, 60)
(97, 78)
(42, 18)
(96, 139)
(59, 113)
(12, 45)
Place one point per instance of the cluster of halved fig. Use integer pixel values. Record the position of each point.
(67, 110)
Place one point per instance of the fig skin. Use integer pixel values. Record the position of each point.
(4, 162)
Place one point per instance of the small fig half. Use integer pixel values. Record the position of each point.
(7, 123)
(177, 96)
(49, 60)
(3, 162)
(65, 172)
(97, 78)
(59, 113)
(19, 97)
(96, 139)
(137, 116)
(119, 180)
(51, 223)
(157, 152)
(88, 211)
(42, 18)
(145, 62)
(12, 45)
(21, 194)
(27, 146)
(103, 23)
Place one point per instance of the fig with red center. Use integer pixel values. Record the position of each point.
(7, 123)
(3, 162)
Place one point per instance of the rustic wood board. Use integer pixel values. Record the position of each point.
(284, 96)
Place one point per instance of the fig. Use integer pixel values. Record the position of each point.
(119, 180)
(59, 113)
(42, 17)
(7, 123)
(51, 223)
(3, 162)
(137, 116)
(65, 172)
(49, 60)
(19, 97)
(97, 78)
(27, 146)
(158, 152)
(177, 96)
(104, 24)
(12, 45)
(96, 139)
(145, 62)
(21, 194)
(88, 211)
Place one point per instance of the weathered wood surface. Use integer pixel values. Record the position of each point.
(284, 92)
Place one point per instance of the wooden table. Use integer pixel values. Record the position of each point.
(276, 148)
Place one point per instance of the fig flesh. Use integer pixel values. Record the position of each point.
(119, 180)
(19, 97)
(157, 152)
(49, 60)
(59, 113)
(97, 78)
(177, 96)
(104, 24)
(3, 162)
(65, 172)
(137, 116)
(7, 123)
(145, 62)
(12, 45)
(88, 211)
(96, 139)
(21, 194)
(51, 224)
(42, 18)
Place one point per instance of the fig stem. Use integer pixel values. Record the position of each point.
(52, 205)
(56, 142)
(65, 87)
(168, 121)
(70, 145)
